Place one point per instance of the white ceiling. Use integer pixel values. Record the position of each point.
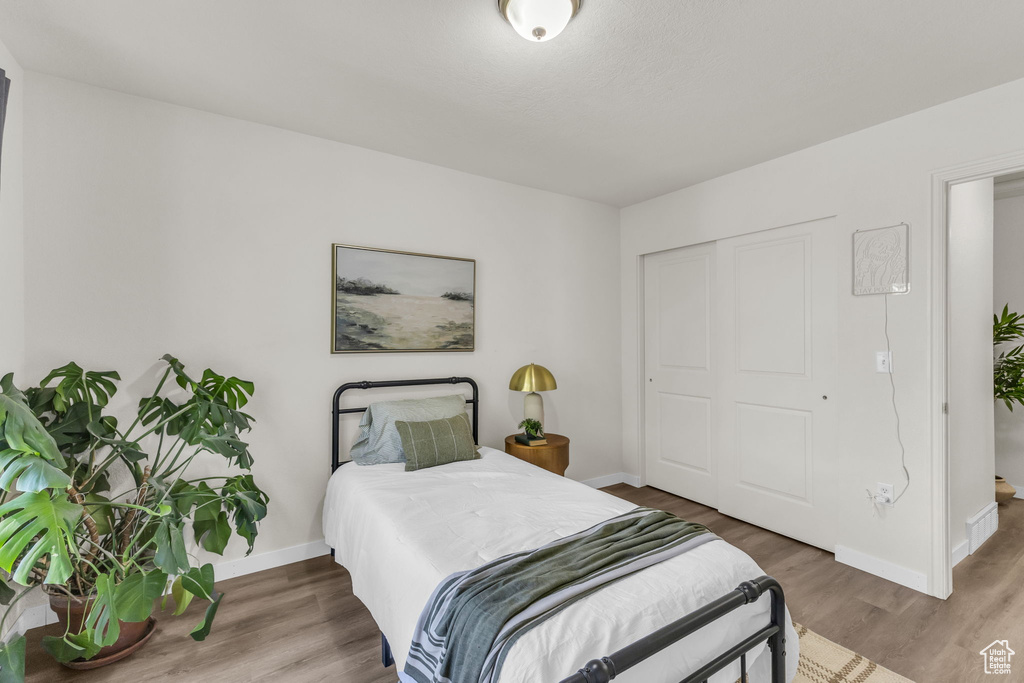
(635, 99)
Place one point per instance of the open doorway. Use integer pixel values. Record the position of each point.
(1008, 294)
(985, 438)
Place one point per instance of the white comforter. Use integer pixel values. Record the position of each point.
(400, 533)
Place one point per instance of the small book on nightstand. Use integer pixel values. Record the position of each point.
(527, 441)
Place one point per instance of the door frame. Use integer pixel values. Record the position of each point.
(941, 579)
(641, 364)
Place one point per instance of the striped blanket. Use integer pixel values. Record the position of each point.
(473, 618)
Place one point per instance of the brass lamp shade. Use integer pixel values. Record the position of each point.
(532, 378)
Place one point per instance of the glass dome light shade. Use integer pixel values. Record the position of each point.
(539, 20)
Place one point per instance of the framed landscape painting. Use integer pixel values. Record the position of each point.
(392, 301)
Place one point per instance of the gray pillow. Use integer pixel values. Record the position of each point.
(378, 440)
(436, 442)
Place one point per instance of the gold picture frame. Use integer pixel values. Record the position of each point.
(387, 301)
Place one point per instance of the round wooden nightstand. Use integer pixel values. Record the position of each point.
(553, 456)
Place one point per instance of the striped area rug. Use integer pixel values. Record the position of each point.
(822, 661)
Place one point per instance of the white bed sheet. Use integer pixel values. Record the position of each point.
(401, 533)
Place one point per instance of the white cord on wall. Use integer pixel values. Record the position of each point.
(875, 498)
(895, 409)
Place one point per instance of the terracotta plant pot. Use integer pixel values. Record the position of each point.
(71, 612)
(1004, 492)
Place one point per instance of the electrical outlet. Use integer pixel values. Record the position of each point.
(885, 494)
(883, 362)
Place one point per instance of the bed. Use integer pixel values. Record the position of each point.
(400, 534)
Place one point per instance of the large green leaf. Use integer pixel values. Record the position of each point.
(194, 425)
(102, 620)
(212, 410)
(213, 533)
(204, 505)
(154, 408)
(249, 504)
(170, 556)
(199, 581)
(40, 399)
(232, 391)
(203, 628)
(70, 429)
(26, 472)
(72, 646)
(7, 387)
(79, 386)
(37, 525)
(201, 496)
(12, 661)
(183, 380)
(85, 640)
(232, 448)
(133, 597)
(182, 597)
(21, 429)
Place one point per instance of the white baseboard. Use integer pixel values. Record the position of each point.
(41, 614)
(229, 569)
(961, 552)
(1020, 491)
(31, 617)
(883, 568)
(612, 479)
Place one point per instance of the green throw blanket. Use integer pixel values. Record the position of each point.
(474, 618)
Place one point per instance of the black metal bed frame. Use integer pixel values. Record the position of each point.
(337, 411)
(608, 668)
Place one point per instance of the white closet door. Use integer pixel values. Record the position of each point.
(679, 312)
(777, 340)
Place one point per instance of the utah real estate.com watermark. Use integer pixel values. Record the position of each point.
(997, 657)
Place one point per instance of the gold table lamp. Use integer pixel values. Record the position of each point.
(533, 378)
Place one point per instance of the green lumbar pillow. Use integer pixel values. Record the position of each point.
(436, 442)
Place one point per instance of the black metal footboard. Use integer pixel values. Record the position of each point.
(607, 668)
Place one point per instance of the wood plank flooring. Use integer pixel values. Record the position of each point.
(925, 639)
(302, 623)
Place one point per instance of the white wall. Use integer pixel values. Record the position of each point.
(873, 178)
(12, 270)
(1009, 289)
(12, 274)
(154, 228)
(971, 409)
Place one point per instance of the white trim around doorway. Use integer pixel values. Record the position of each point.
(941, 584)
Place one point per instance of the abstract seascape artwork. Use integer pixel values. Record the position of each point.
(392, 301)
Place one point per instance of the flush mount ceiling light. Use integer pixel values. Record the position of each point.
(539, 20)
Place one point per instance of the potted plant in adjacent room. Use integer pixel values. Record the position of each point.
(1008, 374)
(99, 514)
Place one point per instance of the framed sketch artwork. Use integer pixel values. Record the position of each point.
(392, 301)
(881, 260)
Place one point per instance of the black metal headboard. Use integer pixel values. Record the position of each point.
(337, 411)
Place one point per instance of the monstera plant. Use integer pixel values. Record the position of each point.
(102, 515)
